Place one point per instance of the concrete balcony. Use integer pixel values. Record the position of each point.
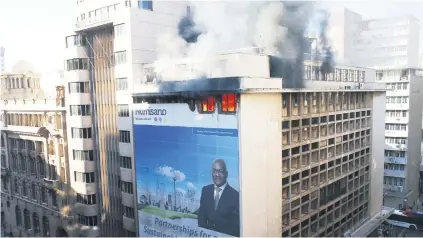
(84, 188)
(85, 166)
(51, 184)
(85, 209)
(77, 75)
(399, 147)
(395, 133)
(73, 52)
(126, 174)
(397, 106)
(96, 21)
(395, 160)
(128, 224)
(394, 173)
(402, 120)
(397, 93)
(128, 199)
(89, 231)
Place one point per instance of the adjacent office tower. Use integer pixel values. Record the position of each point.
(403, 123)
(111, 40)
(307, 162)
(376, 43)
(35, 190)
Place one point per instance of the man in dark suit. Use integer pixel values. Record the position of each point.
(219, 203)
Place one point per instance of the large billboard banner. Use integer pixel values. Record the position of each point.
(187, 167)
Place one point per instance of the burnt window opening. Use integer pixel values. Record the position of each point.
(228, 103)
(207, 105)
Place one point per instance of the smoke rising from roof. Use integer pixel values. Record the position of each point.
(277, 28)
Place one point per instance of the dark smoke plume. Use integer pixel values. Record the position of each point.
(327, 61)
(187, 29)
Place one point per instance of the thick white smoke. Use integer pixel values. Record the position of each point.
(238, 24)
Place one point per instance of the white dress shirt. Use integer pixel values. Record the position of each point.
(221, 190)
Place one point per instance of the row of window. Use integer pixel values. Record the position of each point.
(81, 133)
(390, 166)
(121, 84)
(86, 155)
(125, 136)
(396, 127)
(123, 110)
(127, 187)
(394, 140)
(80, 110)
(84, 177)
(344, 75)
(396, 99)
(35, 221)
(125, 162)
(21, 165)
(390, 113)
(119, 30)
(393, 181)
(391, 153)
(76, 40)
(86, 199)
(32, 191)
(76, 64)
(79, 87)
(397, 86)
(20, 83)
(87, 220)
(23, 144)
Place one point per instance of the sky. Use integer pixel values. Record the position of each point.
(35, 30)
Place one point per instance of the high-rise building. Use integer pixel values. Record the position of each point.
(403, 123)
(36, 197)
(104, 55)
(313, 153)
(2, 63)
(376, 43)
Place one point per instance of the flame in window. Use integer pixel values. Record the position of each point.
(228, 102)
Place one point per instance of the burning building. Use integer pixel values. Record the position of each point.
(308, 158)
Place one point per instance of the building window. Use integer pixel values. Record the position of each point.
(18, 216)
(33, 191)
(3, 161)
(54, 198)
(84, 177)
(120, 57)
(128, 212)
(228, 102)
(207, 105)
(15, 185)
(121, 84)
(83, 155)
(43, 195)
(80, 110)
(31, 165)
(36, 223)
(127, 187)
(76, 64)
(52, 172)
(125, 162)
(79, 87)
(123, 110)
(46, 227)
(120, 30)
(24, 189)
(129, 233)
(124, 137)
(23, 163)
(4, 184)
(27, 221)
(146, 4)
(14, 162)
(81, 133)
(86, 199)
(41, 166)
(87, 220)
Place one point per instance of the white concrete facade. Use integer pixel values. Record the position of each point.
(377, 43)
(123, 35)
(402, 135)
(2, 60)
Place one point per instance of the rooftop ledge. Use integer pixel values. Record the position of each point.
(246, 85)
(370, 224)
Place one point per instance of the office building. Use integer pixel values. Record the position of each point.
(36, 198)
(313, 153)
(376, 43)
(104, 55)
(404, 103)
